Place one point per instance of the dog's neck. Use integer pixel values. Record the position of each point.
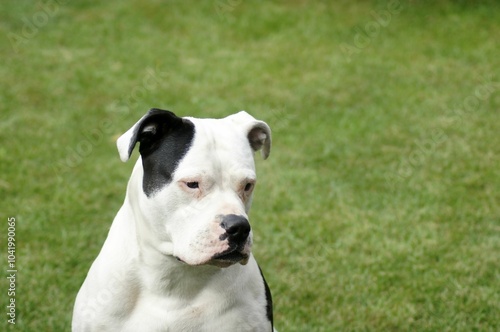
(166, 275)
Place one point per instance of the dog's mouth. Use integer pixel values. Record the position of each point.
(229, 258)
(223, 259)
(234, 253)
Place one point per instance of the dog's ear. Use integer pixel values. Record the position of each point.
(148, 130)
(258, 132)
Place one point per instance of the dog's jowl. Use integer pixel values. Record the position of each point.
(178, 256)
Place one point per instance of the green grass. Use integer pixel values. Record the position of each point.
(378, 209)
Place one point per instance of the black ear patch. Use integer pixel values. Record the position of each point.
(155, 126)
(164, 140)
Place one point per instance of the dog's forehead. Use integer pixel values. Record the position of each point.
(218, 133)
(219, 141)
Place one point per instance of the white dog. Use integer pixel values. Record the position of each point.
(178, 254)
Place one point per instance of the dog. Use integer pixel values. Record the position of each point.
(178, 253)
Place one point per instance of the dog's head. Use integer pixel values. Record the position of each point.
(192, 186)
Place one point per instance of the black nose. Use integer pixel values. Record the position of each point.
(237, 228)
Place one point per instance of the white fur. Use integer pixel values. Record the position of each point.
(153, 272)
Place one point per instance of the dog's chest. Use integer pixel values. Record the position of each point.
(204, 314)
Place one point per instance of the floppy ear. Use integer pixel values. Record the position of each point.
(258, 132)
(148, 130)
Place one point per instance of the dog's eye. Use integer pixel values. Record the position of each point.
(192, 185)
(248, 186)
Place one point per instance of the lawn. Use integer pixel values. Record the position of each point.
(378, 209)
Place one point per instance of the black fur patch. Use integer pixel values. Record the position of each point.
(164, 140)
(269, 298)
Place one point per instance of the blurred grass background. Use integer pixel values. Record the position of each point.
(378, 209)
